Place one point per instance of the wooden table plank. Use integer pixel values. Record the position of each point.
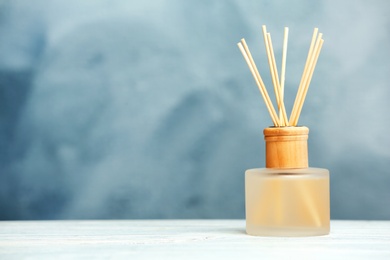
(185, 239)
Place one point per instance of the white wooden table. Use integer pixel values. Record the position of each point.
(185, 239)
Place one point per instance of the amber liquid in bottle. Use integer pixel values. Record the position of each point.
(287, 198)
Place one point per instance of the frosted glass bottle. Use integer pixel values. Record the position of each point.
(287, 198)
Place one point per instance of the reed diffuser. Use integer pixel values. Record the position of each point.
(287, 198)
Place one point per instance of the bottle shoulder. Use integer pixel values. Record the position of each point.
(288, 172)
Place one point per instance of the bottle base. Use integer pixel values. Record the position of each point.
(287, 231)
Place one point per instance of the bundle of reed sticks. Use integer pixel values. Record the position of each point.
(280, 119)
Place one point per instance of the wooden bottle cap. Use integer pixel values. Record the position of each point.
(286, 147)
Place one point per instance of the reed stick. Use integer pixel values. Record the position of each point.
(268, 51)
(308, 80)
(260, 84)
(279, 83)
(274, 72)
(300, 88)
(304, 80)
(283, 72)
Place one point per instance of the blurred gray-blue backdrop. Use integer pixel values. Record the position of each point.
(146, 109)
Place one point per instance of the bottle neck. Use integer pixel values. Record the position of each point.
(286, 147)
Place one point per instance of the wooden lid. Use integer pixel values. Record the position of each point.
(286, 147)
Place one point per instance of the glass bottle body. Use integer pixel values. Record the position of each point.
(287, 202)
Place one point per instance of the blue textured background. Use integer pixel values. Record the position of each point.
(146, 109)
